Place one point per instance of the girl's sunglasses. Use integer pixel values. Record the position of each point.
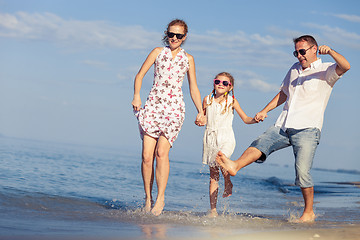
(225, 83)
(301, 51)
(178, 35)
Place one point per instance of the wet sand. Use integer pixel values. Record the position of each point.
(345, 232)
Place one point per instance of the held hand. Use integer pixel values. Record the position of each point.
(136, 103)
(324, 50)
(200, 119)
(260, 116)
(253, 120)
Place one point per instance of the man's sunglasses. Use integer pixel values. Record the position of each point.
(301, 51)
(178, 35)
(225, 83)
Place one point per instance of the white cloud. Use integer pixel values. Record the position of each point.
(262, 86)
(351, 18)
(48, 26)
(255, 81)
(235, 41)
(235, 49)
(337, 35)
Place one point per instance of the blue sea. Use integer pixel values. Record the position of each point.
(56, 190)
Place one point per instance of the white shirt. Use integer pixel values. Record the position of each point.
(308, 92)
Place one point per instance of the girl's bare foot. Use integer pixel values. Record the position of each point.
(213, 213)
(158, 208)
(226, 163)
(228, 189)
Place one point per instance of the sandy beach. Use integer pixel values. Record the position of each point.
(346, 232)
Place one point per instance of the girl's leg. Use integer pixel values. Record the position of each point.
(213, 190)
(162, 173)
(227, 184)
(147, 169)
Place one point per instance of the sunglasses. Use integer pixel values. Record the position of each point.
(301, 51)
(178, 35)
(225, 83)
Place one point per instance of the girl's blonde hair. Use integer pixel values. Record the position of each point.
(227, 107)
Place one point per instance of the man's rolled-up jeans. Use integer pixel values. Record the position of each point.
(304, 143)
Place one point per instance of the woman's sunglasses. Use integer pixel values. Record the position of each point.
(178, 35)
(225, 83)
(301, 51)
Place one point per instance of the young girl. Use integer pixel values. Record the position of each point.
(219, 135)
(162, 116)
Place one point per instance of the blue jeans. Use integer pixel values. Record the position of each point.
(304, 143)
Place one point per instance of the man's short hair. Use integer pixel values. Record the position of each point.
(306, 38)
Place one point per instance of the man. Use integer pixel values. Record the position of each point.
(305, 90)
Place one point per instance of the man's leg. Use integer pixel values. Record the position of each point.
(272, 140)
(308, 214)
(304, 143)
(232, 167)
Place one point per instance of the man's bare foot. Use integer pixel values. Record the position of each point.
(228, 189)
(158, 208)
(226, 164)
(213, 213)
(306, 218)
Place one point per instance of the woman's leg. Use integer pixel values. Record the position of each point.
(162, 173)
(147, 169)
(213, 190)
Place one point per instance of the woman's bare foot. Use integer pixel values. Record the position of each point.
(158, 208)
(228, 189)
(213, 213)
(148, 205)
(226, 163)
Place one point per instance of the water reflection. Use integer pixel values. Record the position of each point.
(154, 231)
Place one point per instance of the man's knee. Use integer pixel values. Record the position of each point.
(303, 179)
(254, 154)
(253, 151)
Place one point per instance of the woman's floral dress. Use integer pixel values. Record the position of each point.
(164, 109)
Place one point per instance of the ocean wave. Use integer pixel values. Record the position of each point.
(278, 183)
(356, 172)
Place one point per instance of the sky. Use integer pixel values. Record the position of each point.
(67, 68)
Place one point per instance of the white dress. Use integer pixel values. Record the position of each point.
(219, 134)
